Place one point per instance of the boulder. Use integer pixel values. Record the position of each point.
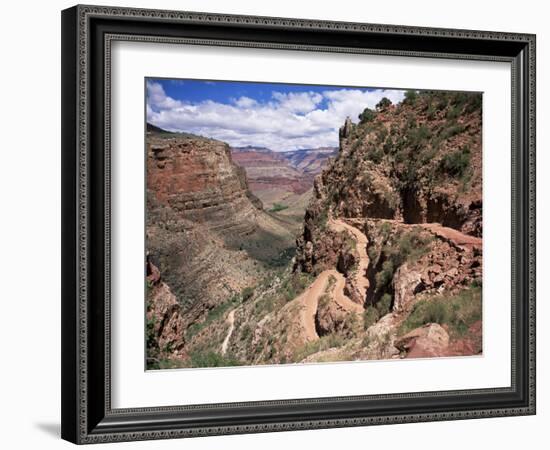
(406, 284)
(428, 341)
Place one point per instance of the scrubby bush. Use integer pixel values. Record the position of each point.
(375, 155)
(247, 293)
(417, 136)
(384, 277)
(367, 115)
(474, 103)
(453, 112)
(457, 312)
(456, 163)
(451, 130)
(278, 207)
(396, 250)
(325, 342)
(370, 316)
(212, 359)
(294, 285)
(410, 97)
(384, 304)
(383, 104)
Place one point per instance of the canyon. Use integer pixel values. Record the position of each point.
(283, 181)
(370, 251)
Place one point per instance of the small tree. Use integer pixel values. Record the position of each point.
(410, 97)
(367, 115)
(383, 104)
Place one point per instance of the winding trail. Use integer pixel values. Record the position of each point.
(231, 321)
(309, 299)
(454, 236)
(361, 241)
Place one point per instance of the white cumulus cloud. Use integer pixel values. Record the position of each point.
(288, 121)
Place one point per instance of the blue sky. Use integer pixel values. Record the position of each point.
(277, 116)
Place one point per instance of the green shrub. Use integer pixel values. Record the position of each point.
(453, 112)
(367, 115)
(381, 135)
(417, 136)
(323, 343)
(372, 253)
(406, 246)
(212, 359)
(278, 207)
(370, 316)
(375, 155)
(246, 333)
(410, 97)
(430, 112)
(456, 163)
(452, 130)
(474, 103)
(247, 293)
(384, 304)
(413, 244)
(214, 314)
(385, 229)
(458, 312)
(294, 285)
(385, 276)
(150, 332)
(383, 104)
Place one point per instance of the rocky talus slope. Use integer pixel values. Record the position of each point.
(165, 324)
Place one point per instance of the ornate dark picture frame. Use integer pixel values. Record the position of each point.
(87, 34)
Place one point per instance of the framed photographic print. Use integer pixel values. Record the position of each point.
(279, 224)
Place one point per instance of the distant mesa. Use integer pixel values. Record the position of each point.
(161, 132)
(154, 129)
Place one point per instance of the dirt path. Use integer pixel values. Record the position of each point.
(338, 293)
(231, 321)
(456, 237)
(361, 241)
(310, 297)
(451, 235)
(310, 300)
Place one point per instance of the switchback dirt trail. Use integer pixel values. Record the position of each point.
(361, 241)
(310, 298)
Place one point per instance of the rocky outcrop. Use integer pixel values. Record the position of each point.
(444, 267)
(432, 340)
(165, 324)
(197, 179)
(428, 341)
